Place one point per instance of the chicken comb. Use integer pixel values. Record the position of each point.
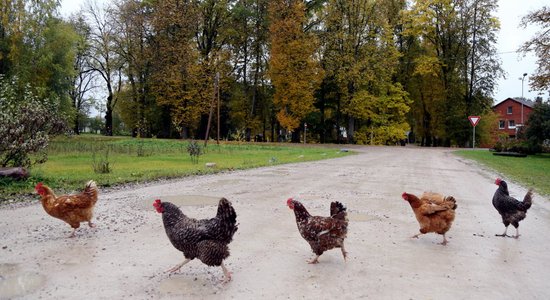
(404, 195)
(289, 200)
(157, 203)
(497, 181)
(38, 186)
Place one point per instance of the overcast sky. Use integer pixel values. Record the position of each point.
(511, 37)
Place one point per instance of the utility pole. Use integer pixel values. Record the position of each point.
(218, 93)
(211, 111)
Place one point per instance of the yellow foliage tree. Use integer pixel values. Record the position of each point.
(293, 68)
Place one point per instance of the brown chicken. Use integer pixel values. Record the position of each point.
(205, 239)
(434, 212)
(322, 233)
(72, 209)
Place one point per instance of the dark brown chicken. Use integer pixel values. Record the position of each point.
(205, 239)
(511, 210)
(322, 233)
(72, 209)
(434, 212)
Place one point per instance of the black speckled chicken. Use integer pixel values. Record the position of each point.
(511, 210)
(205, 239)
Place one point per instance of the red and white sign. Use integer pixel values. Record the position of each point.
(474, 120)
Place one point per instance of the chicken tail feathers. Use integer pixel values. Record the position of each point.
(338, 210)
(226, 213)
(91, 189)
(527, 201)
(451, 199)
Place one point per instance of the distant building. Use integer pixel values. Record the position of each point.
(513, 114)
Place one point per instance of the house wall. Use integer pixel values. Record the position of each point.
(515, 116)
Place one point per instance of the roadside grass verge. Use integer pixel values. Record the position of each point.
(71, 161)
(531, 171)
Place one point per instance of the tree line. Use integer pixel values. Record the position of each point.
(350, 71)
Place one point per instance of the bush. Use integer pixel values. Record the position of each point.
(26, 123)
(519, 146)
(194, 150)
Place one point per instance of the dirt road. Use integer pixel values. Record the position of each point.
(126, 254)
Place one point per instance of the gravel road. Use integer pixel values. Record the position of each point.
(126, 255)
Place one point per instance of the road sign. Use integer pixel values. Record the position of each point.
(474, 120)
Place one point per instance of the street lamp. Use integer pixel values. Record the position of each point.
(522, 79)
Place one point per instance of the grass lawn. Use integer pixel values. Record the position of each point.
(531, 171)
(71, 161)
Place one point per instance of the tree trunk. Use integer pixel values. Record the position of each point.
(76, 127)
(17, 173)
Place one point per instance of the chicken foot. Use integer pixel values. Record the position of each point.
(416, 236)
(314, 261)
(505, 233)
(344, 253)
(178, 266)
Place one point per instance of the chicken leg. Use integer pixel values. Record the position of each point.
(178, 266)
(517, 233)
(444, 241)
(344, 253)
(73, 233)
(226, 273)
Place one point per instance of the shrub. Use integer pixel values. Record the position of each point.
(194, 150)
(102, 164)
(26, 122)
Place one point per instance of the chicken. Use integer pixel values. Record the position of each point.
(322, 233)
(72, 209)
(511, 210)
(205, 239)
(434, 212)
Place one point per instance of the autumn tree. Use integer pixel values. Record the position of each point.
(175, 69)
(540, 45)
(293, 68)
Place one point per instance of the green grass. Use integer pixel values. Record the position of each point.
(70, 161)
(531, 171)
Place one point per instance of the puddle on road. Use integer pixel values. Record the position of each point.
(15, 284)
(185, 285)
(359, 217)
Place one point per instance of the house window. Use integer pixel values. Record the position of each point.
(501, 124)
(509, 111)
(511, 124)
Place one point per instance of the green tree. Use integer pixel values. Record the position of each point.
(36, 48)
(26, 123)
(538, 125)
(104, 59)
(250, 102)
(457, 49)
(540, 45)
(83, 79)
